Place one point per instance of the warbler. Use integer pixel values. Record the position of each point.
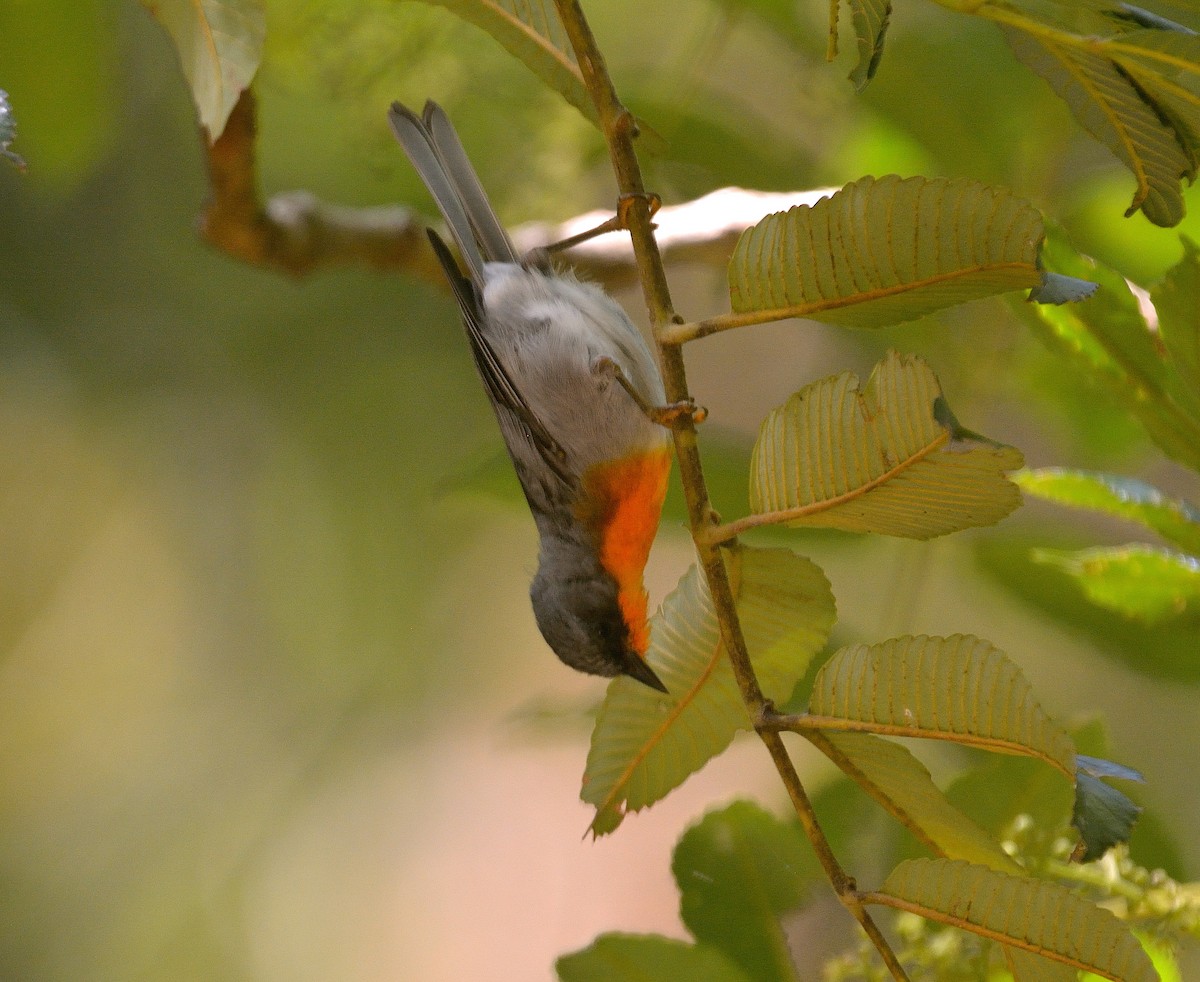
(576, 393)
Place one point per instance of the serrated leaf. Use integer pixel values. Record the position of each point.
(1125, 497)
(901, 784)
(1058, 289)
(1108, 341)
(1103, 815)
(878, 460)
(958, 688)
(1028, 967)
(886, 251)
(870, 25)
(220, 44)
(8, 133)
(1099, 767)
(531, 31)
(645, 743)
(738, 870)
(636, 958)
(1110, 106)
(1148, 584)
(1034, 915)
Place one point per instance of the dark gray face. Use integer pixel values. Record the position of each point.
(575, 603)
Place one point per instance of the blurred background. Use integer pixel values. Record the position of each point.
(272, 702)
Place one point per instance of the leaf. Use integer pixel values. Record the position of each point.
(958, 688)
(1028, 967)
(220, 44)
(1058, 289)
(1141, 582)
(1111, 106)
(1035, 915)
(1104, 816)
(1125, 497)
(870, 25)
(645, 743)
(739, 869)
(1177, 302)
(886, 251)
(1109, 342)
(531, 31)
(901, 784)
(8, 133)
(877, 460)
(636, 958)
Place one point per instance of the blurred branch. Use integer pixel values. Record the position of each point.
(296, 232)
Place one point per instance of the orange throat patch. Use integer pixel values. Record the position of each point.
(621, 505)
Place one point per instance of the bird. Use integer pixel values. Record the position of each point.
(580, 404)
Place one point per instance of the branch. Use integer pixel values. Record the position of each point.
(619, 130)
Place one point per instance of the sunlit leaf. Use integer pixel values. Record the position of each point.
(738, 870)
(901, 784)
(646, 743)
(1036, 915)
(870, 25)
(1124, 497)
(878, 459)
(1148, 584)
(636, 958)
(220, 45)
(531, 31)
(1113, 108)
(8, 132)
(958, 688)
(885, 251)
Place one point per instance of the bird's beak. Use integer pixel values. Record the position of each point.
(636, 668)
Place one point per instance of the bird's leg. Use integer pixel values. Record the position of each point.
(667, 415)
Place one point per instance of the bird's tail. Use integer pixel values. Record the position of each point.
(437, 154)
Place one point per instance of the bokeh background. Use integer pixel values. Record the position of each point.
(272, 702)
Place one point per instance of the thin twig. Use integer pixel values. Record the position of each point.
(619, 130)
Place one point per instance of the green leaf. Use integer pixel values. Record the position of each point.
(1147, 584)
(220, 45)
(638, 958)
(1177, 302)
(531, 31)
(1109, 342)
(646, 743)
(870, 25)
(1103, 815)
(1028, 967)
(8, 133)
(886, 251)
(1125, 497)
(958, 688)
(1113, 108)
(739, 870)
(901, 784)
(1035, 915)
(878, 460)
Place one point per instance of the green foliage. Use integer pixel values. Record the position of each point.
(632, 958)
(8, 132)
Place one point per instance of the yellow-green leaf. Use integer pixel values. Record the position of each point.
(901, 784)
(220, 45)
(1028, 967)
(885, 251)
(1037, 916)
(958, 688)
(1115, 110)
(870, 25)
(645, 743)
(878, 459)
(531, 31)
